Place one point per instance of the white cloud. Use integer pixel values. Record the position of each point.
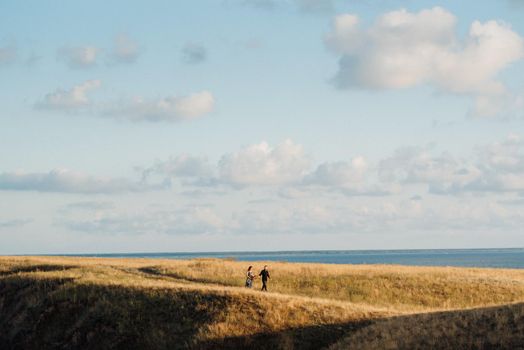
(507, 155)
(79, 57)
(402, 49)
(194, 53)
(287, 219)
(412, 165)
(350, 178)
(191, 220)
(502, 164)
(184, 166)
(172, 108)
(125, 49)
(7, 54)
(339, 174)
(498, 167)
(189, 169)
(495, 170)
(66, 181)
(257, 164)
(286, 169)
(194, 105)
(74, 99)
(261, 164)
(318, 216)
(285, 166)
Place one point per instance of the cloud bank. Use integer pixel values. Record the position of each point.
(492, 168)
(403, 49)
(124, 50)
(66, 181)
(261, 164)
(70, 100)
(170, 109)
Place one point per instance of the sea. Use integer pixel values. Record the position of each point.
(496, 258)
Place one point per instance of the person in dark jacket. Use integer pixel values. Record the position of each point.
(265, 276)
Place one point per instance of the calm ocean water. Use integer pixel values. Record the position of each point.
(503, 258)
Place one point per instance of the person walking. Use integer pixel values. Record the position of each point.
(249, 277)
(265, 276)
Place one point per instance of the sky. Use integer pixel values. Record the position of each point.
(253, 125)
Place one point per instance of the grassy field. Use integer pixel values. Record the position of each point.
(95, 303)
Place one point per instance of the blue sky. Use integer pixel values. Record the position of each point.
(260, 125)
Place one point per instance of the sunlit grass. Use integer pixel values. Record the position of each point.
(203, 301)
(401, 287)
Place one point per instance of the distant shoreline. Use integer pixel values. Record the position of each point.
(476, 257)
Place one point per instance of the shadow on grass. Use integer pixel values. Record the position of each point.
(303, 338)
(51, 313)
(35, 268)
(151, 270)
(497, 327)
(43, 313)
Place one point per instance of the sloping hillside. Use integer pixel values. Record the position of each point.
(65, 303)
(497, 327)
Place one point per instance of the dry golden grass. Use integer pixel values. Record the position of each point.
(202, 303)
(403, 288)
(496, 327)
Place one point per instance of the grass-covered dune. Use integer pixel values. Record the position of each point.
(95, 303)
